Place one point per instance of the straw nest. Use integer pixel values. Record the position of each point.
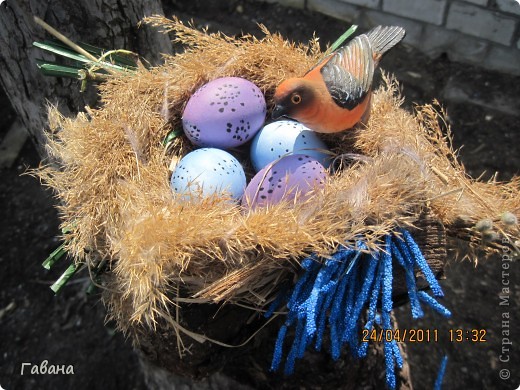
(112, 179)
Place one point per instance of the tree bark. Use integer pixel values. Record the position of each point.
(108, 24)
(112, 24)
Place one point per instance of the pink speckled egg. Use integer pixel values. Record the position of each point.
(291, 176)
(224, 113)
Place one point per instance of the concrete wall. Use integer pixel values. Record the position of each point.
(481, 32)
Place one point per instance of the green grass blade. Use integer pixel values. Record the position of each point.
(117, 59)
(172, 135)
(53, 69)
(337, 43)
(61, 51)
(54, 257)
(91, 289)
(341, 39)
(64, 278)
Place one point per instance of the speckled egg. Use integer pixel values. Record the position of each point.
(208, 171)
(224, 113)
(291, 176)
(285, 137)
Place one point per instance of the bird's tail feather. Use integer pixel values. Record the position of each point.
(383, 39)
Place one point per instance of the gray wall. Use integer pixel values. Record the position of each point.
(481, 32)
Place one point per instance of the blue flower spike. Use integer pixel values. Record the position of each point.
(440, 375)
(336, 292)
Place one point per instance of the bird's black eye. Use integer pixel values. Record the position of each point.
(296, 98)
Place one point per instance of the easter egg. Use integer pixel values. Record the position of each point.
(224, 113)
(286, 137)
(291, 176)
(208, 171)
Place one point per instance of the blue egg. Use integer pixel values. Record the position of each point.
(286, 137)
(208, 171)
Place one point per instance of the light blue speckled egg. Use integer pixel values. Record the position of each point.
(285, 137)
(208, 171)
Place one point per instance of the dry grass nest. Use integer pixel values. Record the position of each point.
(112, 179)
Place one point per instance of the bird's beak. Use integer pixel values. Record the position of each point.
(278, 111)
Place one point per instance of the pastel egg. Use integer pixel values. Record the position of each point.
(289, 177)
(224, 113)
(208, 171)
(286, 137)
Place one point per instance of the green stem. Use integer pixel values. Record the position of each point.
(64, 278)
(54, 257)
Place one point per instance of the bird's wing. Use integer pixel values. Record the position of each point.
(349, 72)
(383, 39)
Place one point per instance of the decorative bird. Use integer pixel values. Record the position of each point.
(335, 94)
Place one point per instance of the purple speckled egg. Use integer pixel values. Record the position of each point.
(291, 176)
(224, 113)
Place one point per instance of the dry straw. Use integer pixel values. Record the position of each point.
(112, 179)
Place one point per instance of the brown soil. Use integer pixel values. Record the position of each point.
(69, 329)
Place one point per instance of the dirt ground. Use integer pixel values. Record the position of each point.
(69, 329)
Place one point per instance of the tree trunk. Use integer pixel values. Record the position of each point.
(247, 367)
(112, 24)
(108, 24)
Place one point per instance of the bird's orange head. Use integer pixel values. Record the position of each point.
(292, 97)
